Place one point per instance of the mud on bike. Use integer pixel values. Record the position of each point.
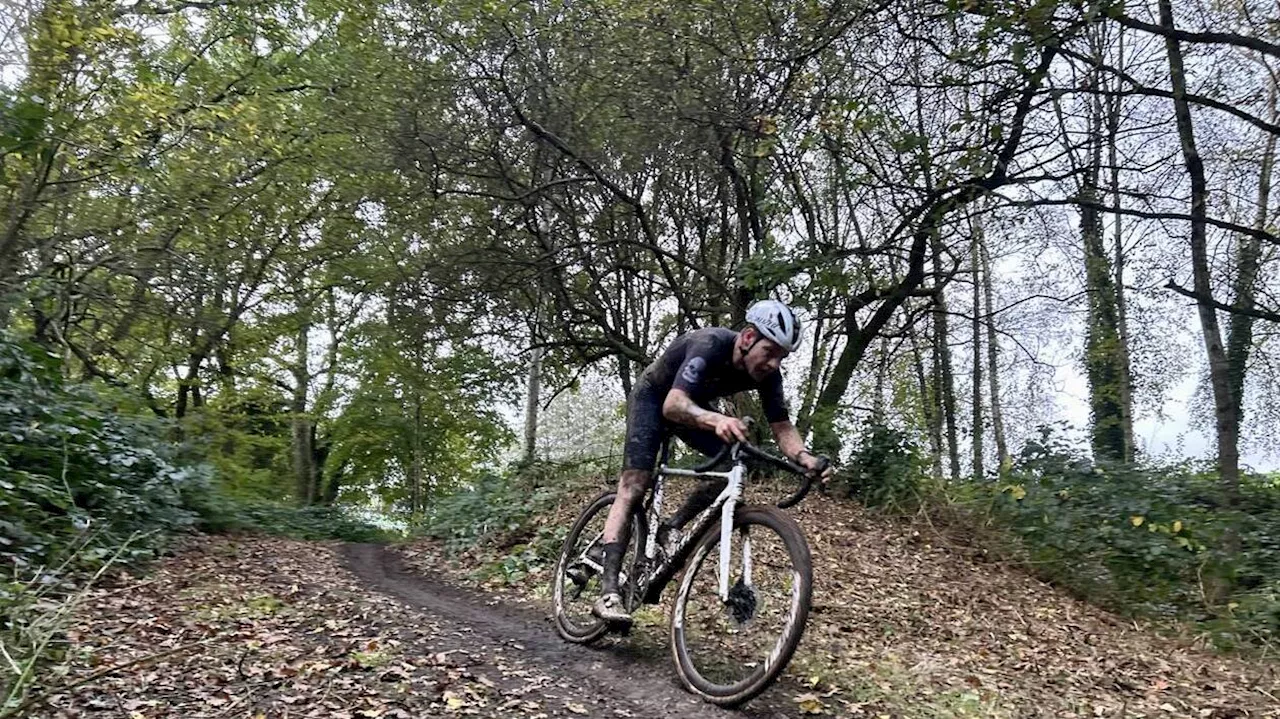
(743, 600)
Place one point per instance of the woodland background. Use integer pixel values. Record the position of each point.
(406, 258)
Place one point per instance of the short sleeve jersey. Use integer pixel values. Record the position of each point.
(701, 364)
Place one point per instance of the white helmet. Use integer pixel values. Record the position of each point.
(777, 322)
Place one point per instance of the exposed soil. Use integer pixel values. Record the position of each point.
(616, 673)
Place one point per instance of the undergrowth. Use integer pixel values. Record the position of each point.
(89, 481)
(1146, 539)
(510, 523)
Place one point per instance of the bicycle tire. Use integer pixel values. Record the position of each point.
(797, 549)
(590, 631)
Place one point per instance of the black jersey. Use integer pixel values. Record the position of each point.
(701, 364)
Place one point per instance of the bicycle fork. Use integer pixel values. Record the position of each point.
(731, 495)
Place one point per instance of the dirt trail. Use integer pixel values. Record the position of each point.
(612, 676)
(261, 627)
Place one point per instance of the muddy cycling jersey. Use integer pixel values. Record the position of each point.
(701, 364)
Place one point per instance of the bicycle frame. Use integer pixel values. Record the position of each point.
(657, 574)
(726, 502)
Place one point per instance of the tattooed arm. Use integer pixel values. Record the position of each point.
(680, 407)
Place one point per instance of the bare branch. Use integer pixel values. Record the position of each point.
(1256, 314)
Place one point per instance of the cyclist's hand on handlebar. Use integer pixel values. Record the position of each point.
(820, 467)
(730, 429)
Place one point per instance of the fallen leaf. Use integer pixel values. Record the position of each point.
(810, 704)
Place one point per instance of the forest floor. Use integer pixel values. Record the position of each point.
(904, 625)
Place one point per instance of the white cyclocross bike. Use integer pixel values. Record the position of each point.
(734, 626)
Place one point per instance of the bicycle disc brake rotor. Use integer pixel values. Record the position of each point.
(741, 604)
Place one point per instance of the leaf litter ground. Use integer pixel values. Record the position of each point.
(266, 627)
(903, 626)
(906, 625)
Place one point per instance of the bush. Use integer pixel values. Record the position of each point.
(72, 467)
(224, 514)
(1151, 539)
(886, 470)
(497, 509)
(503, 518)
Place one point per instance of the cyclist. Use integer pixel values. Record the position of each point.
(675, 396)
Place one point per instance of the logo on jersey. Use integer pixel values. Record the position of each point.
(693, 369)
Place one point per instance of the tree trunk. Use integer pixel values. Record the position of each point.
(416, 465)
(531, 405)
(817, 361)
(1248, 261)
(1115, 106)
(1102, 333)
(993, 364)
(882, 376)
(1226, 406)
(943, 375)
(319, 456)
(929, 408)
(303, 449)
(624, 374)
(1102, 336)
(189, 387)
(975, 246)
(334, 485)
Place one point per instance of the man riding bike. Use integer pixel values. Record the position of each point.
(674, 396)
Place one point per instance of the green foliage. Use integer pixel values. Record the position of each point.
(508, 521)
(76, 472)
(1149, 539)
(22, 124)
(245, 437)
(220, 513)
(886, 469)
(496, 508)
(80, 478)
(514, 563)
(415, 410)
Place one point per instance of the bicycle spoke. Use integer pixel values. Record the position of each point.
(727, 640)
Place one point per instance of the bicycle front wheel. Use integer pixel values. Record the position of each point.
(728, 651)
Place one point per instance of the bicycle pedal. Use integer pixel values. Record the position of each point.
(579, 574)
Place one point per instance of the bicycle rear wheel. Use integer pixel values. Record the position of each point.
(575, 586)
(729, 652)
